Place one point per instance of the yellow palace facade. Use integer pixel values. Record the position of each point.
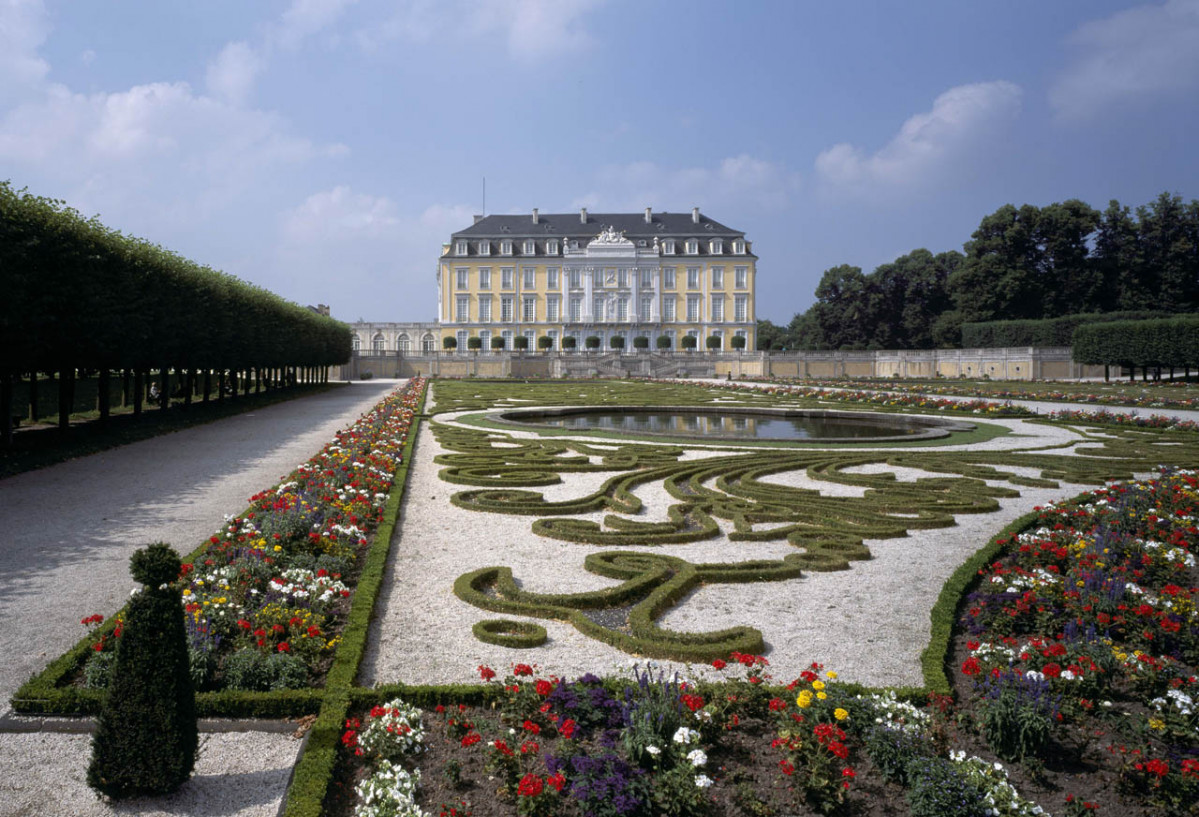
(660, 276)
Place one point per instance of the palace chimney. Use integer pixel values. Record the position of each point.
(695, 215)
(583, 215)
(649, 216)
(535, 220)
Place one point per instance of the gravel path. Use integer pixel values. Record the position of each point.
(67, 534)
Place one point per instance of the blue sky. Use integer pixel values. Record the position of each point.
(324, 149)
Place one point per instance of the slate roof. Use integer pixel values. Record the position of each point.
(568, 225)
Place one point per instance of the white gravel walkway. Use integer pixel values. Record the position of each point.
(66, 534)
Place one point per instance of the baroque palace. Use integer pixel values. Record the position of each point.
(616, 275)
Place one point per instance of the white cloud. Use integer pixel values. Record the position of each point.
(23, 28)
(1147, 51)
(340, 214)
(735, 183)
(928, 145)
(232, 74)
(532, 30)
(304, 18)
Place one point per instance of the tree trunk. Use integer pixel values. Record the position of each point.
(103, 384)
(66, 398)
(6, 418)
(139, 391)
(34, 411)
(188, 378)
(125, 387)
(164, 397)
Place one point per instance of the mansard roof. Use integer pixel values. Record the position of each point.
(570, 225)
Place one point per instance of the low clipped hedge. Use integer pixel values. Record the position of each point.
(505, 632)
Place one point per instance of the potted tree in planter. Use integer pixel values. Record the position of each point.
(713, 343)
(640, 343)
(617, 343)
(497, 343)
(738, 342)
(449, 343)
(663, 343)
(592, 342)
(474, 343)
(545, 343)
(689, 342)
(520, 343)
(569, 343)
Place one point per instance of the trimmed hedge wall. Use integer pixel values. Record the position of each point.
(1172, 342)
(1046, 332)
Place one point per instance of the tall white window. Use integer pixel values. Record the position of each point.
(647, 304)
(668, 313)
(528, 311)
(356, 342)
(506, 309)
(551, 247)
(460, 248)
(506, 247)
(484, 278)
(485, 338)
(553, 336)
(622, 278)
(597, 309)
(738, 246)
(692, 277)
(551, 278)
(530, 336)
(507, 274)
(718, 310)
(528, 278)
(668, 277)
(717, 246)
(530, 247)
(463, 278)
(647, 278)
(576, 279)
(553, 308)
(717, 277)
(622, 309)
(741, 309)
(461, 337)
(484, 248)
(576, 310)
(693, 309)
(507, 336)
(741, 277)
(668, 247)
(485, 310)
(692, 246)
(462, 309)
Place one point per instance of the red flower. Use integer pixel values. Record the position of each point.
(530, 786)
(1051, 670)
(487, 673)
(848, 772)
(529, 747)
(245, 625)
(971, 666)
(284, 647)
(471, 738)
(787, 767)
(522, 669)
(567, 729)
(529, 726)
(719, 664)
(557, 781)
(544, 688)
(776, 704)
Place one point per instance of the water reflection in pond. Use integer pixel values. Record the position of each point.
(812, 426)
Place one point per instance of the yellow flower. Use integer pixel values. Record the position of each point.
(840, 714)
(822, 695)
(804, 700)
(278, 548)
(1157, 723)
(818, 685)
(832, 676)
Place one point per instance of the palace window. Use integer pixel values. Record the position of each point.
(484, 248)
(716, 246)
(529, 278)
(693, 309)
(530, 247)
(597, 309)
(622, 309)
(718, 310)
(576, 279)
(741, 277)
(717, 277)
(668, 247)
(462, 336)
(551, 278)
(647, 304)
(462, 309)
(692, 246)
(528, 312)
(356, 343)
(485, 310)
(506, 247)
(506, 309)
(551, 247)
(741, 309)
(622, 278)
(647, 278)
(668, 277)
(460, 248)
(463, 278)
(668, 313)
(553, 308)
(692, 277)
(738, 246)
(576, 310)
(507, 274)
(507, 336)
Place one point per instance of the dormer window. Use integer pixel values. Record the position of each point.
(668, 247)
(692, 246)
(506, 247)
(716, 246)
(530, 247)
(460, 247)
(738, 246)
(551, 247)
(484, 248)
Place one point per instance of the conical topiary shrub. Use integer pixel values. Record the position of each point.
(145, 742)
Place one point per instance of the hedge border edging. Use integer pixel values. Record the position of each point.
(506, 632)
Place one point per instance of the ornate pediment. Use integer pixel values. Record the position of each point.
(609, 236)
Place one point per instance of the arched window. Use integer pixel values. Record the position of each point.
(378, 344)
(356, 342)
(403, 343)
(428, 343)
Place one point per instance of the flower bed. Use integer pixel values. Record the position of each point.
(1075, 682)
(267, 597)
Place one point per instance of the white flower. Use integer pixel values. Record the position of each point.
(697, 757)
(703, 781)
(653, 750)
(685, 735)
